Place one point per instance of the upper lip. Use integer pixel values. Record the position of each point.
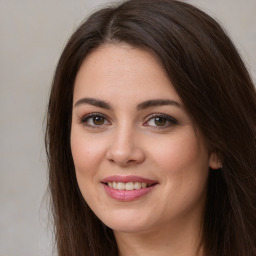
(126, 179)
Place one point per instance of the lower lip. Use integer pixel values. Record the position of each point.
(127, 195)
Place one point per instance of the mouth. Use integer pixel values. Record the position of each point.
(127, 188)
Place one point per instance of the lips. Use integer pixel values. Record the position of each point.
(127, 188)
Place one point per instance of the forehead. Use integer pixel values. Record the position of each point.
(122, 70)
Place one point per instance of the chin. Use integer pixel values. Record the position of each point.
(127, 222)
(128, 228)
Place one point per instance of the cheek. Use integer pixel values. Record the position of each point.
(181, 153)
(185, 174)
(86, 153)
(86, 157)
(183, 163)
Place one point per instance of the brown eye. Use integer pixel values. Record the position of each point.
(98, 120)
(95, 120)
(160, 121)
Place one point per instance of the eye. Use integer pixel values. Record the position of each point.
(95, 120)
(160, 121)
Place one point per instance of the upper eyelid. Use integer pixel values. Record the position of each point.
(94, 114)
(86, 116)
(168, 117)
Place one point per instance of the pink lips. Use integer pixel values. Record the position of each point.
(127, 195)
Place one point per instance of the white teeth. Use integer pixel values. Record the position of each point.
(137, 185)
(120, 186)
(128, 185)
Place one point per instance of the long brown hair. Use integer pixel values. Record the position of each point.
(216, 89)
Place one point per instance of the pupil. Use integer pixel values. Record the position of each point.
(160, 121)
(98, 120)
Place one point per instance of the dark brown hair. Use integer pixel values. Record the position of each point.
(216, 89)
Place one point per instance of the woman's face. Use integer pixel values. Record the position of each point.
(139, 161)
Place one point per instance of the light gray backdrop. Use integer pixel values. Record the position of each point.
(33, 33)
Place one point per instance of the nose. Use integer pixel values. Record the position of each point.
(125, 149)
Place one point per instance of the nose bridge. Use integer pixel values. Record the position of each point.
(124, 148)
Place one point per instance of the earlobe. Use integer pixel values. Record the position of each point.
(214, 161)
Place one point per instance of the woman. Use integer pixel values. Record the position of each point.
(151, 136)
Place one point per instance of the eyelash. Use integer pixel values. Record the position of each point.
(168, 119)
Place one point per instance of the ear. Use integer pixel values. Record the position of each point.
(214, 161)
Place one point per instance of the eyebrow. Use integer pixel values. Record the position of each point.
(158, 102)
(94, 102)
(141, 106)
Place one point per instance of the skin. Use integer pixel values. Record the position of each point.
(126, 140)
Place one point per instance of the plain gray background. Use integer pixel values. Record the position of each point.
(33, 34)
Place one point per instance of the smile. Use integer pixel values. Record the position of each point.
(128, 186)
